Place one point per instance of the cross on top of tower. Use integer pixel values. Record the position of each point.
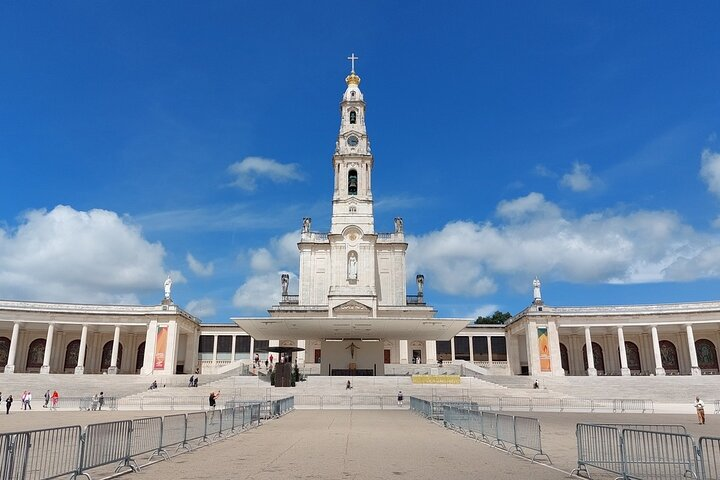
(352, 59)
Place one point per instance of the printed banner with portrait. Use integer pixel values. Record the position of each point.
(160, 347)
(544, 347)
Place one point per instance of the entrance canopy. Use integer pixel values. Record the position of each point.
(364, 328)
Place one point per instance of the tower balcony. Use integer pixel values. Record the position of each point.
(415, 299)
(290, 300)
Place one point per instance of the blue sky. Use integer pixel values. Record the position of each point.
(569, 140)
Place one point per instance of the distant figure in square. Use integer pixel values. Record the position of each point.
(47, 399)
(101, 400)
(213, 399)
(400, 398)
(54, 398)
(700, 408)
(191, 381)
(348, 386)
(8, 403)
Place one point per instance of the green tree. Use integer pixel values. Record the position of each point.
(496, 318)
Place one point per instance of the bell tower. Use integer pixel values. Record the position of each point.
(352, 163)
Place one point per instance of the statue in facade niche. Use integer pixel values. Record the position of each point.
(284, 281)
(307, 221)
(420, 279)
(352, 266)
(398, 225)
(168, 287)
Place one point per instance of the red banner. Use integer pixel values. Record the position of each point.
(160, 348)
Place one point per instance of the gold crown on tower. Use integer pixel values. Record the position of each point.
(352, 79)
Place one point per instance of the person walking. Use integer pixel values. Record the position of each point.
(54, 398)
(192, 379)
(101, 400)
(8, 404)
(700, 409)
(47, 398)
(400, 398)
(28, 399)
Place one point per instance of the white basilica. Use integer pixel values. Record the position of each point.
(353, 316)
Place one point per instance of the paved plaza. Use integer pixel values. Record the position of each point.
(362, 444)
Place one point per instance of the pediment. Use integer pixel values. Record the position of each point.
(352, 307)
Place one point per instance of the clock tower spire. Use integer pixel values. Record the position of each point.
(352, 162)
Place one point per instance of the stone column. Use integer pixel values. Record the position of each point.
(624, 370)
(150, 339)
(430, 352)
(80, 367)
(659, 370)
(190, 356)
(48, 349)
(233, 343)
(489, 349)
(472, 350)
(403, 347)
(694, 368)
(554, 342)
(591, 371)
(10, 367)
(171, 349)
(533, 349)
(452, 349)
(112, 369)
(300, 355)
(214, 357)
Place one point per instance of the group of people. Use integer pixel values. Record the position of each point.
(51, 399)
(98, 400)
(193, 382)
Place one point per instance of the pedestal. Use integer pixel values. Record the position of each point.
(694, 371)
(592, 372)
(9, 368)
(45, 369)
(660, 372)
(79, 370)
(625, 372)
(112, 370)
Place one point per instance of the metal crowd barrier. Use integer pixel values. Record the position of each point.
(70, 451)
(658, 455)
(512, 433)
(709, 457)
(646, 451)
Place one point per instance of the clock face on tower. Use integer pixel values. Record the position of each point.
(352, 140)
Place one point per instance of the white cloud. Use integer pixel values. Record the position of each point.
(466, 258)
(483, 311)
(542, 171)
(248, 170)
(262, 288)
(198, 268)
(202, 307)
(580, 179)
(710, 171)
(75, 256)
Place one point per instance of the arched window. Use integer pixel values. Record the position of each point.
(36, 352)
(140, 359)
(72, 353)
(598, 357)
(4, 350)
(668, 355)
(353, 117)
(107, 355)
(564, 359)
(706, 354)
(352, 182)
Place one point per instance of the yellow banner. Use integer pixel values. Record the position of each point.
(436, 379)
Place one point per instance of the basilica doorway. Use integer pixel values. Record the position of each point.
(706, 355)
